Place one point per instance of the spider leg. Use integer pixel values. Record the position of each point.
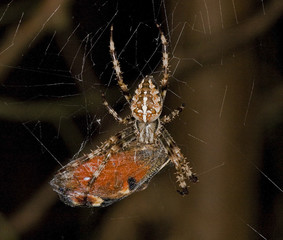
(121, 138)
(126, 120)
(175, 113)
(184, 172)
(165, 63)
(116, 66)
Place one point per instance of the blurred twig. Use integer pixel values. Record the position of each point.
(33, 210)
(25, 33)
(229, 39)
(47, 111)
(6, 230)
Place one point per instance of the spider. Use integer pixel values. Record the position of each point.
(128, 160)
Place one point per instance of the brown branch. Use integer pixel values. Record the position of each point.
(30, 214)
(52, 112)
(244, 33)
(26, 33)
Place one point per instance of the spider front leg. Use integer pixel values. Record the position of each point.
(165, 63)
(117, 69)
(184, 172)
(126, 120)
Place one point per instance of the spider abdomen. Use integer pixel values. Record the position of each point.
(146, 105)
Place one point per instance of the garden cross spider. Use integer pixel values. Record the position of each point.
(128, 160)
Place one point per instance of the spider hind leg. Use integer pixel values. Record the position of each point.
(183, 171)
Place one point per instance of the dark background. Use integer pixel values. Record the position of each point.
(226, 66)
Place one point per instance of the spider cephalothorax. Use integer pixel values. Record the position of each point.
(127, 161)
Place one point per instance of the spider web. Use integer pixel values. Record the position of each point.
(54, 61)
